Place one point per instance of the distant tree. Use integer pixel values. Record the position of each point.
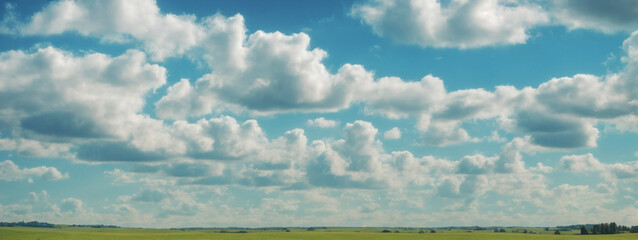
(633, 229)
(432, 231)
(613, 228)
(386, 231)
(501, 230)
(583, 230)
(595, 229)
(525, 231)
(557, 232)
(495, 229)
(421, 231)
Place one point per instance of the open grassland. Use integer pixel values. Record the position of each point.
(68, 233)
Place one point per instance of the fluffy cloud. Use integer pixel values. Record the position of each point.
(607, 17)
(276, 73)
(322, 123)
(358, 161)
(162, 35)
(612, 172)
(261, 73)
(220, 138)
(395, 98)
(623, 171)
(71, 205)
(9, 171)
(559, 114)
(51, 94)
(462, 24)
(580, 163)
(394, 133)
(268, 73)
(33, 148)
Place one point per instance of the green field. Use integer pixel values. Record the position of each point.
(64, 233)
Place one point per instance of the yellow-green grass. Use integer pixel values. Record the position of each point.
(69, 233)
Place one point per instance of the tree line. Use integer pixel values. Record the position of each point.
(49, 225)
(27, 224)
(606, 228)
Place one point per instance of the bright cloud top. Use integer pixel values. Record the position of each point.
(11, 172)
(463, 24)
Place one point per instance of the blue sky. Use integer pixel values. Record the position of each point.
(332, 113)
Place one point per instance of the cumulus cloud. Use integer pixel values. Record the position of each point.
(580, 163)
(221, 138)
(607, 17)
(9, 171)
(459, 24)
(277, 73)
(52, 94)
(623, 171)
(561, 113)
(612, 172)
(322, 123)
(162, 35)
(394, 133)
(33, 148)
(555, 131)
(261, 72)
(440, 113)
(72, 205)
(267, 73)
(395, 98)
(541, 168)
(358, 161)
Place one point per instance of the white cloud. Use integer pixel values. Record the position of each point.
(358, 161)
(541, 168)
(605, 16)
(9, 171)
(163, 35)
(462, 24)
(555, 130)
(322, 123)
(581, 163)
(72, 205)
(494, 137)
(445, 133)
(220, 138)
(266, 73)
(7, 144)
(277, 73)
(623, 171)
(394, 133)
(52, 95)
(395, 98)
(612, 172)
(584, 95)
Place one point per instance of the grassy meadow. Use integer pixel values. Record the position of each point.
(71, 233)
